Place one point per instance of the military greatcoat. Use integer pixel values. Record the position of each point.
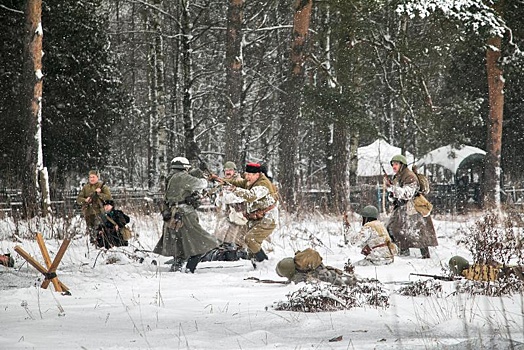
(186, 238)
(407, 227)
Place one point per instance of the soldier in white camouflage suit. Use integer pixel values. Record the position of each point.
(261, 199)
(374, 240)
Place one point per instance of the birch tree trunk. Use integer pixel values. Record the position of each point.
(234, 80)
(492, 172)
(292, 101)
(35, 188)
(153, 147)
(157, 160)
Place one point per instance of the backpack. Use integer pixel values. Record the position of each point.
(307, 260)
(422, 180)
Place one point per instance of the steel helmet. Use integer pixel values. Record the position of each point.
(399, 158)
(457, 264)
(230, 165)
(286, 268)
(180, 163)
(369, 211)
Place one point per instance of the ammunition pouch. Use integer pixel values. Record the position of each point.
(193, 200)
(366, 250)
(175, 222)
(256, 215)
(166, 214)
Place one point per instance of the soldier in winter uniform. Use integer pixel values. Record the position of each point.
(230, 222)
(406, 226)
(109, 230)
(374, 240)
(183, 238)
(91, 197)
(296, 272)
(230, 208)
(261, 198)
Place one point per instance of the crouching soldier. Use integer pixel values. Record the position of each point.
(307, 266)
(261, 199)
(112, 222)
(373, 238)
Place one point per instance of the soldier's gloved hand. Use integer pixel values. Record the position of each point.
(197, 173)
(166, 214)
(390, 196)
(213, 177)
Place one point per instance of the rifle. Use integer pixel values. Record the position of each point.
(94, 194)
(437, 277)
(386, 176)
(258, 280)
(203, 166)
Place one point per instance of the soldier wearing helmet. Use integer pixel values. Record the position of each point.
(406, 226)
(182, 237)
(374, 240)
(289, 268)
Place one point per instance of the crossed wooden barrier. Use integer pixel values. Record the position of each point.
(49, 273)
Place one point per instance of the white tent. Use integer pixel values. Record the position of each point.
(372, 156)
(451, 157)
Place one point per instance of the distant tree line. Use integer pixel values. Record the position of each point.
(128, 85)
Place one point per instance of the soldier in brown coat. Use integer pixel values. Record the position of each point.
(406, 226)
(91, 198)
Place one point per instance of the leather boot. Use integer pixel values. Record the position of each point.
(261, 256)
(177, 265)
(192, 263)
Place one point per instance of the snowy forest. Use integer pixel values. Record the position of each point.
(123, 86)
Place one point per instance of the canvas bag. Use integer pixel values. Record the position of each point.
(307, 260)
(422, 181)
(422, 205)
(124, 231)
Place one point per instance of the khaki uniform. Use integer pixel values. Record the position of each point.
(376, 244)
(93, 209)
(407, 227)
(325, 274)
(260, 196)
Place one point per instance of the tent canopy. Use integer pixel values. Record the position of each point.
(372, 156)
(451, 157)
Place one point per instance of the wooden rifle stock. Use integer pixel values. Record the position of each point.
(386, 176)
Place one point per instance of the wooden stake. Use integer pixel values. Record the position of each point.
(50, 272)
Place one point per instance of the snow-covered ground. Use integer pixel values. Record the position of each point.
(133, 305)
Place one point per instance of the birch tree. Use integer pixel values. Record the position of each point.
(157, 164)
